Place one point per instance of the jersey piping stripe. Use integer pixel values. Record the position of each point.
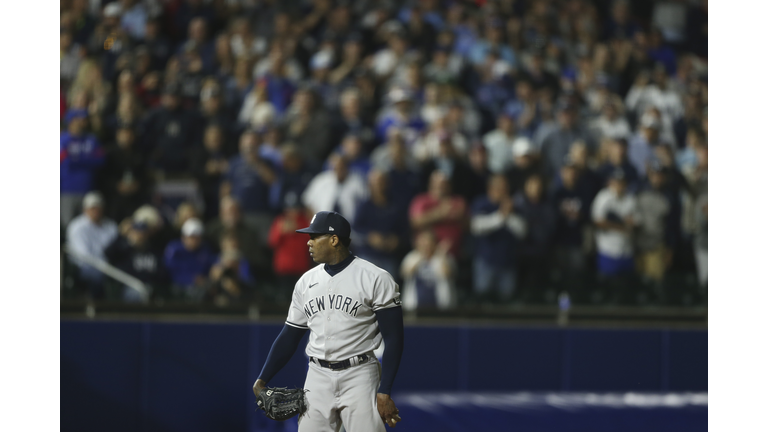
(296, 325)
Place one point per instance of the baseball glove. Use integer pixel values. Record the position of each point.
(281, 403)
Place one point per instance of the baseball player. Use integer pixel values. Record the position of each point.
(349, 306)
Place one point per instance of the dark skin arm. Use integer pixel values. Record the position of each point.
(387, 409)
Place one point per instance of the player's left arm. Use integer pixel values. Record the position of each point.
(391, 326)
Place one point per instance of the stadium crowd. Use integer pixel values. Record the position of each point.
(484, 151)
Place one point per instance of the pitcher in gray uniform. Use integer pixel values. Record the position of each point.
(349, 306)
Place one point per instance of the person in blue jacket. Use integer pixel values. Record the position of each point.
(188, 261)
(80, 157)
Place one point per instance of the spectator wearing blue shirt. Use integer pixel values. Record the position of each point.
(493, 41)
(188, 261)
(80, 158)
(497, 229)
(134, 18)
(640, 150)
(249, 181)
(380, 226)
(400, 116)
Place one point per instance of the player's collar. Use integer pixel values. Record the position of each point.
(334, 269)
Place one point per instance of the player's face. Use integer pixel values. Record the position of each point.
(320, 247)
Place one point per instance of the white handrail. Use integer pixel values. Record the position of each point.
(111, 271)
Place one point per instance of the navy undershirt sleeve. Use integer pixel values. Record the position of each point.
(282, 350)
(391, 327)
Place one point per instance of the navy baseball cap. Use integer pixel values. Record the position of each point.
(328, 222)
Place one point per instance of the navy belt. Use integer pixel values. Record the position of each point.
(340, 365)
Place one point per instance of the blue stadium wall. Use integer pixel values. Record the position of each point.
(154, 376)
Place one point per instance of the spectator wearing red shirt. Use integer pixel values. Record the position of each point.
(290, 251)
(439, 210)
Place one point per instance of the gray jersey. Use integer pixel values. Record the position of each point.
(339, 310)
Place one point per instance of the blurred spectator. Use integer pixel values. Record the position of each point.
(402, 170)
(294, 177)
(380, 226)
(700, 238)
(614, 213)
(350, 118)
(278, 82)
(555, 146)
(686, 157)
(230, 280)
(429, 274)
(571, 199)
(498, 143)
(653, 208)
(126, 181)
(290, 250)
(611, 123)
(659, 95)
(492, 42)
(80, 158)
(617, 159)
(479, 172)
(257, 111)
(640, 150)
(401, 114)
(212, 111)
(621, 24)
(308, 127)
(238, 87)
(278, 64)
(249, 180)
(589, 179)
(189, 261)
(428, 146)
(169, 133)
(338, 189)
(351, 57)
(70, 54)
(134, 254)
(534, 249)
(440, 211)
(385, 62)
(197, 41)
(157, 43)
(445, 67)
(525, 162)
(497, 228)
(351, 148)
(90, 234)
(230, 221)
(452, 165)
(209, 165)
(134, 18)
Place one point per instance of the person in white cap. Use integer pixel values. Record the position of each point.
(189, 261)
(90, 234)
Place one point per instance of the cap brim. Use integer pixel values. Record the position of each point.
(308, 230)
